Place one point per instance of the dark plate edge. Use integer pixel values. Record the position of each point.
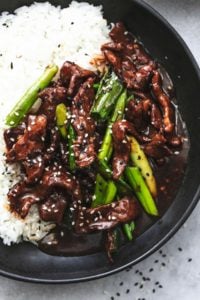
(171, 232)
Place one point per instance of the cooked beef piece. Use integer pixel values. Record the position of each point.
(156, 117)
(11, 135)
(107, 216)
(175, 141)
(29, 146)
(51, 97)
(157, 148)
(84, 125)
(119, 34)
(63, 149)
(138, 113)
(164, 102)
(84, 98)
(71, 76)
(128, 59)
(110, 243)
(21, 196)
(53, 209)
(52, 143)
(34, 168)
(31, 143)
(122, 145)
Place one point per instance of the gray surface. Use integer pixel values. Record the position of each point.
(180, 278)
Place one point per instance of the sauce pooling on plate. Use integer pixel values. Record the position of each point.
(104, 155)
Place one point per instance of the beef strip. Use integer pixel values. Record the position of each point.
(53, 208)
(157, 148)
(138, 113)
(29, 146)
(129, 59)
(51, 97)
(11, 135)
(52, 144)
(122, 146)
(84, 125)
(31, 143)
(21, 196)
(110, 243)
(33, 168)
(107, 216)
(165, 103)
(71, 76)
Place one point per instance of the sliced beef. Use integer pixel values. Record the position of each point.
(71, 76)
(110, 243)
(21, 196)
(31, 143)
(84, 125)
(129, 59)
(138, 113)
(157, 148)
(53, 209)
(164, 102)
(107, 216)
(51, 97)
(11, 135)
(122, 146)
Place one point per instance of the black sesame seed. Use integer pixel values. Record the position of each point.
(164, 255)
(153, 291)
(136, 283)
(151, 270)
(147, 174)
(148, 279)
(180, 249)
(11, 65)
(127, 291)
(141, 286)
(118, 294)
(121, 283)
(59, 45)
(157, 283)
(144, 278)
(136, 271)
(160, 286)
(72, 23)
(140, 273)
(163, 264)
(189, 259)
(160, 251)
(112, 298)
(156, 261)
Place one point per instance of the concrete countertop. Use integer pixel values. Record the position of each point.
(174, 271)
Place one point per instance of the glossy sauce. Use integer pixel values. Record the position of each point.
(169, 176)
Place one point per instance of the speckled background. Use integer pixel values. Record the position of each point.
(174, 271)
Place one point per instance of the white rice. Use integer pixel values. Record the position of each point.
(31, 39)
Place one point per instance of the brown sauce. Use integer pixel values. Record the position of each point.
(169, 176)
(63, 242)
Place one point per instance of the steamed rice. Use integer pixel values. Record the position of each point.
(31, 39)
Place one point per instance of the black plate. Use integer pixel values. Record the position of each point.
(25, 261)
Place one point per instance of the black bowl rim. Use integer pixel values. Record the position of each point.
(178, 224)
